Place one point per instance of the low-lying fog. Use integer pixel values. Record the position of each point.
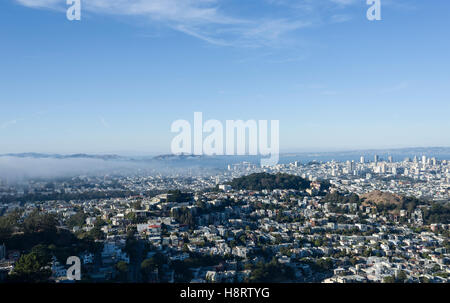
(15, 169)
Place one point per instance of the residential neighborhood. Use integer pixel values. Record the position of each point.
(332, 222)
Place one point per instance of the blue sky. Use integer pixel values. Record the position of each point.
(116, 80)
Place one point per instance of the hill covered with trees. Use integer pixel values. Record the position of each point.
(267, 181)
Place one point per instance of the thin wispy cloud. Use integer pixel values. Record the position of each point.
(340, 18)
(41, 3)
(210, 21)
(345, 2)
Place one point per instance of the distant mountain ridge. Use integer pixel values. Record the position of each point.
(400, 152)
(59, 156)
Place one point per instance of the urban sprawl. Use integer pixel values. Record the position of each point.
(374, 220)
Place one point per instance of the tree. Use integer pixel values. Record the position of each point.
(324, 264)
(122, 266)
(29, 269)
(137, 205)
(7, 224)
(40, 222)
(260, 181)
(437, 213)
(131, 245)
(401, 277)
(131, 216)
(243, 239)
(271, 272)
(424, 280)
(43, 253)
(96, 233)
(122, 270)
(390, 279)
(178, 196)
(147, 267)
(77, 220)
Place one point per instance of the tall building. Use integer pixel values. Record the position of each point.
(362, 160)
(390, 159)
(376, 158)
(350, 166)
(424, 159)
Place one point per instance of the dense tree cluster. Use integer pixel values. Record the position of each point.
(341, 198)
(184, 216)
(437, 213)
(267, 181)
(178, 196)
(399, 278)
(78, 219)
(407, 203)
(122, 271)
(272, 272)
(31, 268)
(38, 237)
(183, 271)
(149, 266)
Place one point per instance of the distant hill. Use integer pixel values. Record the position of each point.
(267, 181)
(177, 157)
(441, 153)
(58, 156)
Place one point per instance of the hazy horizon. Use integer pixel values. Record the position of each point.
(143, 153)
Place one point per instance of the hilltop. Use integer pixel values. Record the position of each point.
(392, 203)
(378, 197)
(260, 181)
